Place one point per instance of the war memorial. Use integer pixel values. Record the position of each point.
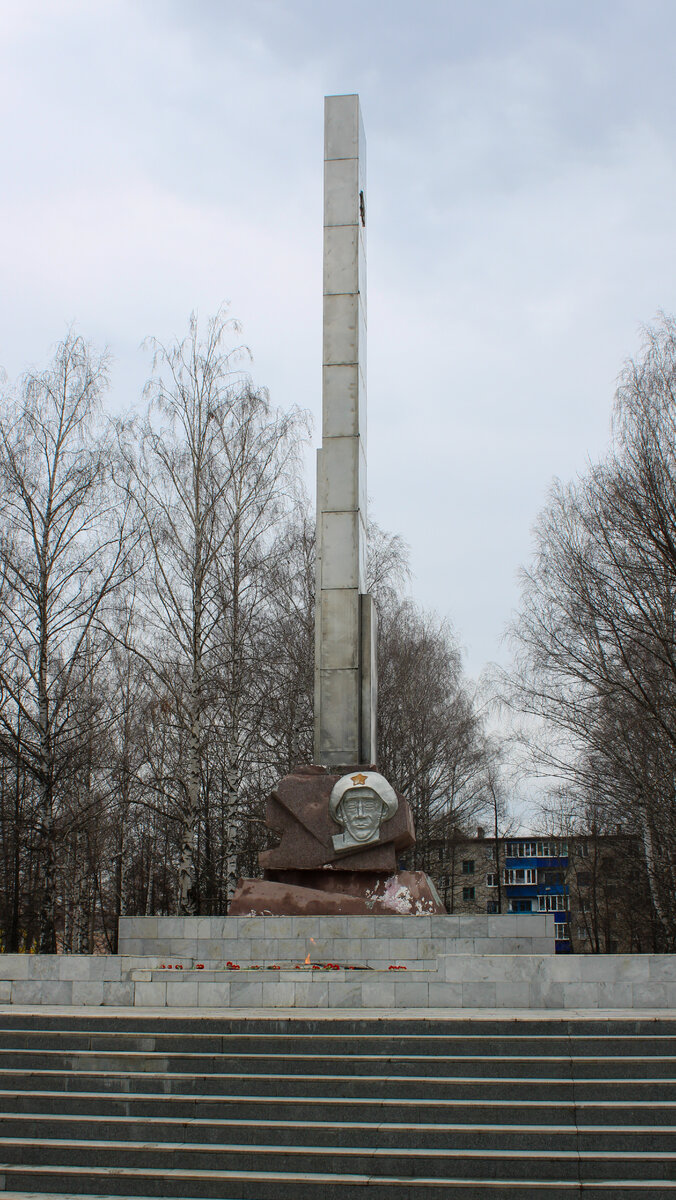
(337, 1033)
(334, 921)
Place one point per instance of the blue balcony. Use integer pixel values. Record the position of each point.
(548, 864)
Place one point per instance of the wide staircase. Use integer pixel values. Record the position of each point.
(310, 1109)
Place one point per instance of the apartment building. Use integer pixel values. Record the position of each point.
(595, 887)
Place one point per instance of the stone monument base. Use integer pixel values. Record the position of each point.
(453, 963)
(336, 893)
(353, 941)
(339, 839)
(488, 962)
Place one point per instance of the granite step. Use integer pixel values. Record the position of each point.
(403, 1066)
(566, 1134)
(258, 1185)
(375, 1161)
(421, 1087)
(285, 1187)
(459, 1189)
(297, 1110)
(431, 1045)
(344, 1176)
(402, 1109)
(194, 1022)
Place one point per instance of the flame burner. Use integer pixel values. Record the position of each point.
(307, 957)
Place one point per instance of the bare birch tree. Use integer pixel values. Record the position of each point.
(208, 485)
(595, 637)
(61, 556)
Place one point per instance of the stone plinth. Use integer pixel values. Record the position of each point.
(320, 866)
(361, 941)
(316, 893)
(298, 813)
(476, 962)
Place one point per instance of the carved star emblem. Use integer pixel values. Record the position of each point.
(358, 780)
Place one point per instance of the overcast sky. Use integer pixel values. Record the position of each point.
(159, 157)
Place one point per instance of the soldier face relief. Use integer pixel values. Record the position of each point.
(361, 814)
(360, 804)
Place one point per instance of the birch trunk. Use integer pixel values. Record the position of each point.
(47, 927)
(13, 940)
(233, 756)
(187, 875)
(231, 873)
(650, 857)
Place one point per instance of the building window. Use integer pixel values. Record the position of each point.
(521, 875)
(468, 866)
(584, 879)
(530, 849)
(536, 849)
(492, 906)
(468, 893)
(582, 849)
(553, 903)
(549, 878)
(520, 906)
(492, 879)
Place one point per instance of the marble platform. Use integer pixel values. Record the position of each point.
(478, 963)
(349, 940)
(484, 982)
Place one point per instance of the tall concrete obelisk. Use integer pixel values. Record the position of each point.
(339, 832)
(345, 622)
